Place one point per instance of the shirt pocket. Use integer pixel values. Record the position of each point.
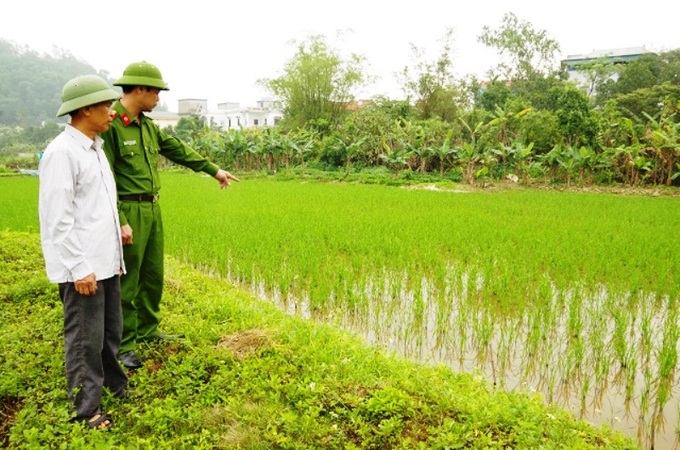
(129, 151)
(152, 150)
(132, 157)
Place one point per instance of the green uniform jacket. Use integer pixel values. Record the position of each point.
(132, 147)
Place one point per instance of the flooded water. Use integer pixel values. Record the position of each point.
(607, 361)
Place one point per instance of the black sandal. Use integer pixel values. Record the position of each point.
(99, 422)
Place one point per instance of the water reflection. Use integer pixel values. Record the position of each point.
(608, 358)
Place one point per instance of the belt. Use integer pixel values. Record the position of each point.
(139, 198)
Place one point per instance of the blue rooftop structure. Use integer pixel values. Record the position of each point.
(616, 56)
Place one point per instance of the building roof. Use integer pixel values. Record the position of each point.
(618, 55)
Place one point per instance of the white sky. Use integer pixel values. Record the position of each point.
(217, 50)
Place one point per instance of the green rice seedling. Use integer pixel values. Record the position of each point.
(667, 363)
(584, 397)
(535, 337)
(508, 329)
(646, 345)
(484, 328)
(631, 379)
(620, 340)
(645, 404)
(574, 338)
(465, 310)
(598, 357)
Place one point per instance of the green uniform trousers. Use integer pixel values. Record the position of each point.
(142, 285)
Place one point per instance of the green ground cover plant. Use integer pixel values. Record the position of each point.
(250, 376)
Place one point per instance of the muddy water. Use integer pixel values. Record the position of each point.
(585, 379)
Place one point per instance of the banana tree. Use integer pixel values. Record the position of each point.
(442, 151)
(664, 138)
(257, 151)
(502, 121)
(351, 151)
(522, 156)
(234, 142)
(585, 160)
(411, 138)
(467, 153)
(567, 159)
(394, 159)
(302, 146)
(550, 161)
(274, 149)
(486, 161)
(468, 157)
(643, 167)
(629, 159)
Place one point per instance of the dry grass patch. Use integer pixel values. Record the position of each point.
(245, 343)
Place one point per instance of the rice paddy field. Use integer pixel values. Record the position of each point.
(573, 295)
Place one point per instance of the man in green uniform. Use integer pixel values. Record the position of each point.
(133, 145)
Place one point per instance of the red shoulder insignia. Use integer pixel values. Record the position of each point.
(125, 118)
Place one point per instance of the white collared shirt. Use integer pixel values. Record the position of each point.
(79, 225)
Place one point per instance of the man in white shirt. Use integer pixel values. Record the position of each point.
(80, 234)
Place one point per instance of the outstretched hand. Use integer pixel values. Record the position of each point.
(224, 178)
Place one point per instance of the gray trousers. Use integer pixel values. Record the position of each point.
(92, 330)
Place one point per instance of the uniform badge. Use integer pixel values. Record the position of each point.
(125, 118)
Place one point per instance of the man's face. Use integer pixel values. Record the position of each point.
(149, 98)
(101, 116)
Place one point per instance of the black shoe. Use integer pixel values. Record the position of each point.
(168, 337)
(130, 360)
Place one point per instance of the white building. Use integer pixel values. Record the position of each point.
(228, 115)
(164, 119)
(576, 63)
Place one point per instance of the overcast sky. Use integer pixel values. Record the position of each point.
(217, 50)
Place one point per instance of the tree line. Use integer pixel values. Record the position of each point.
(526, 120)
(31, 83)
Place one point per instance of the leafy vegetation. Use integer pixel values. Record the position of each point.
(248, 376)
(316, 84)
(528, 54)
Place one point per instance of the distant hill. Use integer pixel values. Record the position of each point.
(31, 83)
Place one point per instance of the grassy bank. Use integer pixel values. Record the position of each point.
(249, 376)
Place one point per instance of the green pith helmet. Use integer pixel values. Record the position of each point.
(85, 90)
(142, 74)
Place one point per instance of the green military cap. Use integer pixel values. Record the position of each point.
(142, 74)
(85, 90)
